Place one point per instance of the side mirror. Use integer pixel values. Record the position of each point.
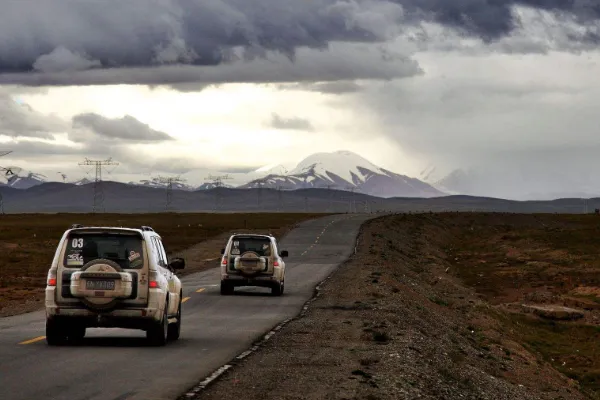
(222, 251)
(177, 263)
(283, 253)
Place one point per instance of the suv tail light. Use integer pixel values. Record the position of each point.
(276, 263)
(224, 261)
(152, 280)
(51, 280)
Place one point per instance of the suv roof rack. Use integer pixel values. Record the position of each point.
(74, 226)
(147, 228)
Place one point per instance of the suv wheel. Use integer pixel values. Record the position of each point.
(226, 288)
(55, 333)
(76, 333)
(277, 289)
(174, 330)
(157, 334)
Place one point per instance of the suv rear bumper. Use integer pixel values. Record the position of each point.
(128, 318)
(105, 321)
(259, 280)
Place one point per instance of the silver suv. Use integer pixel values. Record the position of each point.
(112, 277)
(252, 260)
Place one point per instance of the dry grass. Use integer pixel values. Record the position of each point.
(536, 259)
(28, 242)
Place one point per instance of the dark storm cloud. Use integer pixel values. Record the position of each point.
(74, 35)
(125, 128)
(338, 87)
(66, 37)
(293, 123)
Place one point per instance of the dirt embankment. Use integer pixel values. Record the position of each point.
(398, 322)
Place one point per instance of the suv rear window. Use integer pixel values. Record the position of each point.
(125, 250)
(240, 245)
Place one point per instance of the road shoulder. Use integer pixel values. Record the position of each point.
(391, 324)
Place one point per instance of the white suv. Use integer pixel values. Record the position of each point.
(252, 260)
(112, 277)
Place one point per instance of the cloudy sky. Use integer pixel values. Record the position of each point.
(506, 90)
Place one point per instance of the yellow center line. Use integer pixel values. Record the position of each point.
(185, 299)
(200, 290)
(37, 339)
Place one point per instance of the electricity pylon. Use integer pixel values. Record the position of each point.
(217, 180)
(169, 181)
(98, 190)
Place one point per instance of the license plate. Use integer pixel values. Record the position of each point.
(100, 285)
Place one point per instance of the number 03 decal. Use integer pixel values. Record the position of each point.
(77, 243)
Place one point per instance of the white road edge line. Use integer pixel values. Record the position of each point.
(196, 390)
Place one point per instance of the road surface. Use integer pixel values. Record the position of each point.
(117, 364)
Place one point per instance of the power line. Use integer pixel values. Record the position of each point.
(259, 193)
(217, 181)
(279, 199)
(352, 200)
(98, 189)
(329, 186)
(7, 172)
(169, 181)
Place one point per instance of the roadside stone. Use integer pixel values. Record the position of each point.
(554, 312)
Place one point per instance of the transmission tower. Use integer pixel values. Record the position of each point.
(353, 199)
(98, 190)
(217, 180)
(7, 171)
(259, 193)
(329, 186)
(169, 181)
(279, 199)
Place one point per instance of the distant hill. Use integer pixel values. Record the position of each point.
(121, 198)
(341, 170)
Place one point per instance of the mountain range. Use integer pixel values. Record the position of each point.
(342, 170)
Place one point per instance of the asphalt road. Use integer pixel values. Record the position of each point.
(117, 364)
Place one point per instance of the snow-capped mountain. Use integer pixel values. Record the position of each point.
(162, 184)
(346, 171)
(458, 181)
(212, 185)
(19, 178)
(342, 170)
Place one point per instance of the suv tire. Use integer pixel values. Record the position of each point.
(277, 289)
(55, 333)
(76, 333)
(157, 333)
(174, 330)
(226, 289)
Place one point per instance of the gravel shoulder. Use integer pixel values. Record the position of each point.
(394, 323)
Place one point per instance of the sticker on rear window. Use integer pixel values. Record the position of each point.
(75, 259)
(235, 251)
(133, 256)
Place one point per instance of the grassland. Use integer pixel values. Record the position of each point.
(28, 242)
(547, 260)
